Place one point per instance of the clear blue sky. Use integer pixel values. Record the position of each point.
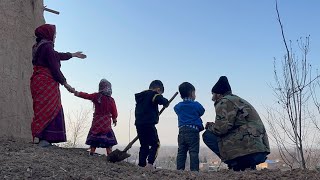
(131, 43)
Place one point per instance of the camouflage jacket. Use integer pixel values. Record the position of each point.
(239, 128)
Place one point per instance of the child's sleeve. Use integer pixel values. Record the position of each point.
(201, 109)
(159, 99)
(176, 109)
(114, 111)
(86, 95)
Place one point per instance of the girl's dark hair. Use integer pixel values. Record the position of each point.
(186, 89)
(156, 84)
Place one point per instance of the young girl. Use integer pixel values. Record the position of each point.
(101, 133)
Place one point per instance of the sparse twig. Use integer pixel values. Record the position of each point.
(290, 124)
(63, 169)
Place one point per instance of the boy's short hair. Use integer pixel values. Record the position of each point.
(156, 84)
(186, 89)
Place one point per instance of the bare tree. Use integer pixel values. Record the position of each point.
(77, 126)
(290, 124)
(315, 89)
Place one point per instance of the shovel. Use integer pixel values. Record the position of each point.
(117, 155)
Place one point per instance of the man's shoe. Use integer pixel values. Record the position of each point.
(149, 167)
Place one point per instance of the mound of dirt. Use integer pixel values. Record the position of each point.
(20, 159)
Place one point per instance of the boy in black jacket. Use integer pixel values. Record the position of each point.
(147, 116)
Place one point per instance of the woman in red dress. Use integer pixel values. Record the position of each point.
(105, 110)
(48, 122)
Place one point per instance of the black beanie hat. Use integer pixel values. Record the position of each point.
(222, 86)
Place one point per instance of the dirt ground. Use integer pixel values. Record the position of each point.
(20, 159)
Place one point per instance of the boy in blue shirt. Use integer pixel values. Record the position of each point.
(189, 112)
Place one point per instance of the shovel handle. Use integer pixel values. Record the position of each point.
(130, 144)
(163, 108)
(136, 138)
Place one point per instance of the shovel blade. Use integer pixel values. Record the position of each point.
(117, 156)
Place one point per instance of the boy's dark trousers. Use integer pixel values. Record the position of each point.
(149, 143)
(188, 140)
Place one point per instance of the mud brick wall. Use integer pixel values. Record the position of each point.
(18, 19)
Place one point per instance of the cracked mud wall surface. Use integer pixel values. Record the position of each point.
(18, 19)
